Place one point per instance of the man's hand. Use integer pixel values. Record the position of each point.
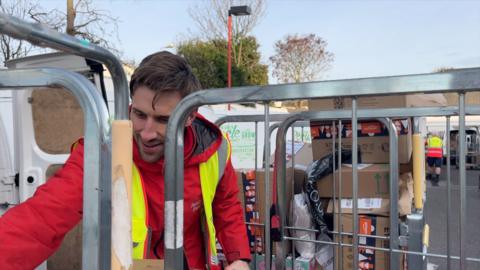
(238, 265)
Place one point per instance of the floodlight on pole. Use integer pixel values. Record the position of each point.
(236, 11)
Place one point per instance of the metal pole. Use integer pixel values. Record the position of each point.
(268, 253)
(355, 180)
(335, 223)
(280, 164)
(292, 186)
(462, 172)
(174, 166)
(392, 130)
(229, 56)
(449, 196)
(256, 148)
(257, 214)
(339, 217)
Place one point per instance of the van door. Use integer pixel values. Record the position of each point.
(8, 188)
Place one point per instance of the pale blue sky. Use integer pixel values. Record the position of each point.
(368, 38)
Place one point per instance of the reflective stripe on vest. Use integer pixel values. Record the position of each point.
(434, 145)
(211, 171)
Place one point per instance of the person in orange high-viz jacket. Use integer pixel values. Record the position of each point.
(434, 158)
(33, 230)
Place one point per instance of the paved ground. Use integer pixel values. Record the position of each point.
(436, 217)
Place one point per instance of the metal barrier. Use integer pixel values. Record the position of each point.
(281, 167)
(461, 81)
(97, 210)
(97, 141)
(416, 220)
(277, 118)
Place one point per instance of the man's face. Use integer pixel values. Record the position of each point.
(150, 124)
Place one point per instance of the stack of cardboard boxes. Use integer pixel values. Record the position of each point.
(373, 174)
(252, 196)
(373, 185)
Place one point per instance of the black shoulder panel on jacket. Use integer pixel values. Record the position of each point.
(204, 134)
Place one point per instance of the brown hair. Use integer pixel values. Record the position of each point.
(164, 71)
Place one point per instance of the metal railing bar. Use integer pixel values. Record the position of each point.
(280, 164)
(250, 118)
(449, 195)
(383, 112)
(462, 176)
(174, 166)
(315, 230)
(255, 237)
(292, 186)
(268, 186)
(398, 251)
(355, 179)
(335, 223)
(445, 82)
(339, 150)
(394, 173)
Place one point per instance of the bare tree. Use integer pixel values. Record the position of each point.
(300, 58)
(84, 21)
(211, 17)
(442, 69)
(11, 47)
(89, 23)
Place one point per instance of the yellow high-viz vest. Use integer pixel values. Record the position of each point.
(434, 147)
(211, 171)
(435, 142)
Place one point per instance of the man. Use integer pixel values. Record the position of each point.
(32, 231)
(434, 158)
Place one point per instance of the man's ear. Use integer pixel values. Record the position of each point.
(190, 119)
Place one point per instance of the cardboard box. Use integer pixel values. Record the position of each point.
(405, 197)
(147, 264)
(366, 206)
(471, 98)
(367, 258)
(373, 140)
(303, 154)
(380, 206)
(373, 182)
(376, 102)
(303, 157)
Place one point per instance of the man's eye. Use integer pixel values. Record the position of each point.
(139, 114)
(162, 120)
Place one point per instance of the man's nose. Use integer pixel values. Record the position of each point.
(149, 130)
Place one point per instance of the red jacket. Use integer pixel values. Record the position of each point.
(32, 231)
